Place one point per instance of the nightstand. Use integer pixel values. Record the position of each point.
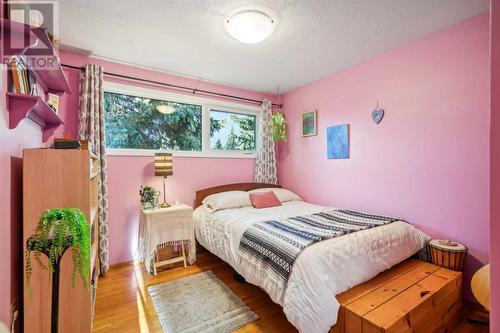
(166, 226)
(447, 254)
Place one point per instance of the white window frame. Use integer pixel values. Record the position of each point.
(206, 104)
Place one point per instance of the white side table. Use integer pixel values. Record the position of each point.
(166, 226)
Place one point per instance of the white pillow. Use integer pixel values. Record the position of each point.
(226, 200)
(283, 195)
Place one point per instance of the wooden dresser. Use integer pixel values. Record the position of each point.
(413, 296)
(60, 178)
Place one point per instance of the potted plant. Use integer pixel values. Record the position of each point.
(149, 197)
(56, 231)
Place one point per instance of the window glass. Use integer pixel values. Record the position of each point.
(143, 123)
(232, 131)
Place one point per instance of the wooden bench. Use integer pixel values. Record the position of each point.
(413, 296)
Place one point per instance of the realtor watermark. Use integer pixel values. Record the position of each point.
(30, 34)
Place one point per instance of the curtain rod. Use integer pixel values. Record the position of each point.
(175, 86)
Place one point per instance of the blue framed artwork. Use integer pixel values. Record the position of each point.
(337, 141)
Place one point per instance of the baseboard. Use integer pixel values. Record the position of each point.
(124, 263)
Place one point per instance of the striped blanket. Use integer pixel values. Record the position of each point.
(276, 244)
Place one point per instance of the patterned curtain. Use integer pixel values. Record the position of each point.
(91, 127)
(265, 164)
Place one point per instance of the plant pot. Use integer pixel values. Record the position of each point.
(52, 230)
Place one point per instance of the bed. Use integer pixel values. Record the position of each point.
(321, 271)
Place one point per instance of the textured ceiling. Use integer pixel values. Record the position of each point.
(313, 38)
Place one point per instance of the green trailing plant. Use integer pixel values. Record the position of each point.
(56, 231)
(149, 197)
(279, 126)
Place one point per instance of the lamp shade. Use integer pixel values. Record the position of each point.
(164, 166)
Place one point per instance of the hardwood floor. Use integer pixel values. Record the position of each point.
(123, 304)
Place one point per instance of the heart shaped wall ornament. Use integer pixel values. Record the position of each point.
(377, 115)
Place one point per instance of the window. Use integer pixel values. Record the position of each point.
(232, 131)
(140, 121)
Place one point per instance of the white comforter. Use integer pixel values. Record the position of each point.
(322, 270)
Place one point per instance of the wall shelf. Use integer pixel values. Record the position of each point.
(33, 47)
(53, 79)
(39, 55)
(22, 106)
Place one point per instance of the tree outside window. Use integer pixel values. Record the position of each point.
(135, 123)
(232, 131)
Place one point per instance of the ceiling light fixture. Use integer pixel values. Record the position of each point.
(165, 109)
(250, 26)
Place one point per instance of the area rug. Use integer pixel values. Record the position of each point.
(199, 303)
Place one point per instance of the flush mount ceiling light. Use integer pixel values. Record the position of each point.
(165, 109)
(250, 26)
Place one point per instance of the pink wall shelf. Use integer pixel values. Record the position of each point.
(33, 46)
(39, 55)
(22, 106)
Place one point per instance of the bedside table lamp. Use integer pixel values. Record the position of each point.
(164, 166)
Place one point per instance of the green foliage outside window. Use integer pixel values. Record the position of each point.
(232, 131)
(135, 122)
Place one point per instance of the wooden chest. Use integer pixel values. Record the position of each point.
(413, 296)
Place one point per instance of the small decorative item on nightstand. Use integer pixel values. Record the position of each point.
(163, 227)
(448, 254)
(149, 197)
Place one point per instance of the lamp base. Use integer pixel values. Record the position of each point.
(164, 205)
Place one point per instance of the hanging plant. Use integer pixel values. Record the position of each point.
(279, 126)
(58, 230)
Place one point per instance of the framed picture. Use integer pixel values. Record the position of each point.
(309, 123)
(337, 142)
(53, 102)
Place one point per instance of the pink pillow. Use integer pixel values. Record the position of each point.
(264, 199)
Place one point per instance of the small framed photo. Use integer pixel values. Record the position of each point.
(53, 102)
(309, 123)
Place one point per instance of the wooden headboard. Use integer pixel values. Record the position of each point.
(201, 194)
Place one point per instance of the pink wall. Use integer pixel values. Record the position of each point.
(495, 167)
(428, 160)
(12, 142)
(127, 173)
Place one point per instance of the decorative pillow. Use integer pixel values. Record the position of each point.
(283, 195)
(264, 199)
(226, 200)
